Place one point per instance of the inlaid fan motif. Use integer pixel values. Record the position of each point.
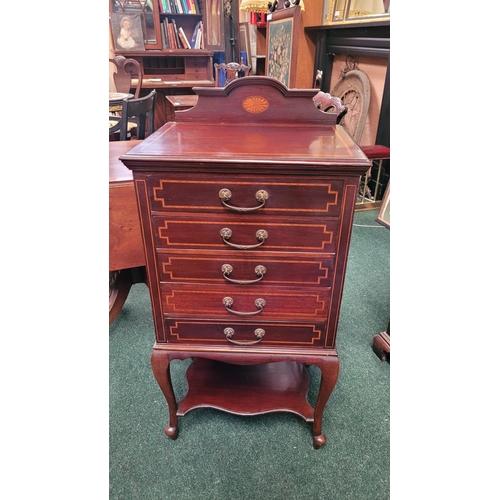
(255, 104)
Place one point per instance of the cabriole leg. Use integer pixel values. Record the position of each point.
(329, 374)
(160, 363)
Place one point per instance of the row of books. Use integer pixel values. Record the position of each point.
(174, 37)
(179, 7)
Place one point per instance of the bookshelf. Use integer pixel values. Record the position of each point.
(150, 15)
(158, 28)
(171, 68)
(181, 24)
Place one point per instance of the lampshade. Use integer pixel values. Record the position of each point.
(260, 5)
(254, 5)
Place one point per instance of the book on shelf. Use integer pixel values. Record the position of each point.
(193, 37)
(184, 40)
(173, 7)
(165, 35)
(163, 40)
(186, 7)
(197, 38)
(168, 36)
(176, 35)
(164, 6)
(171, 36)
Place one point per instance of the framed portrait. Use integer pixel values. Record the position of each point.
(282, 45)
(384, 213)
(127, 31)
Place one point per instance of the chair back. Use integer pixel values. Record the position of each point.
(353, 89)
(330, 104)
(142, 112)
(126, 69)
(231, 71)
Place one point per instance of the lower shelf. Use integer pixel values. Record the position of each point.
(248, 389)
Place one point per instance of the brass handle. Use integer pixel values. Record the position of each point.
(226, 233)
(229, 332)
(261, 196)
(227, 269)
(228, 302)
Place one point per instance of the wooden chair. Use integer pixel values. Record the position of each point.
(376, 152)
(231, 71)
(126, 69)
(330, 104)
(137, 118)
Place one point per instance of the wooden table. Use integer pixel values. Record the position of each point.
(116, 99)
(125, 240)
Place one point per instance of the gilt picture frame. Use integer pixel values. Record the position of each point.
(244, 39)
(127, 31)
(384, 213)
(358, 11)
(282, 45)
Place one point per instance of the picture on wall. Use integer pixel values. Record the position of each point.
(281, 48)
(384, 213)
(245, 46)
(127, 31)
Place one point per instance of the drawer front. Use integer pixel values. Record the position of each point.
(205, 233)
(249, 269)
(213, 333)
(246, 304)
(297, 197)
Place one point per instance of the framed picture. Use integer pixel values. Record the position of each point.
(282, 45)
(149, 11)
(384, 213)
(127, 31)
(244, 40)
(358, 11)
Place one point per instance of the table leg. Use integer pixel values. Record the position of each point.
(119, 287)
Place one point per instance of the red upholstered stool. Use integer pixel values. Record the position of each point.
(376, 153)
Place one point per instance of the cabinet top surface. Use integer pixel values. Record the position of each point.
(185, 143)
(254, 120)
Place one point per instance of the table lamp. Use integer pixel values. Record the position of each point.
(254, 7)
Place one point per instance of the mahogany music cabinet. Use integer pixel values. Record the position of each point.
(246, 204)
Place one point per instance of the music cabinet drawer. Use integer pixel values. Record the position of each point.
(250, 269)
(242, 304)
(286, 196)
(249, 333)
(231, 232)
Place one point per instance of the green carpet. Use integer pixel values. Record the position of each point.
(226, 457)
